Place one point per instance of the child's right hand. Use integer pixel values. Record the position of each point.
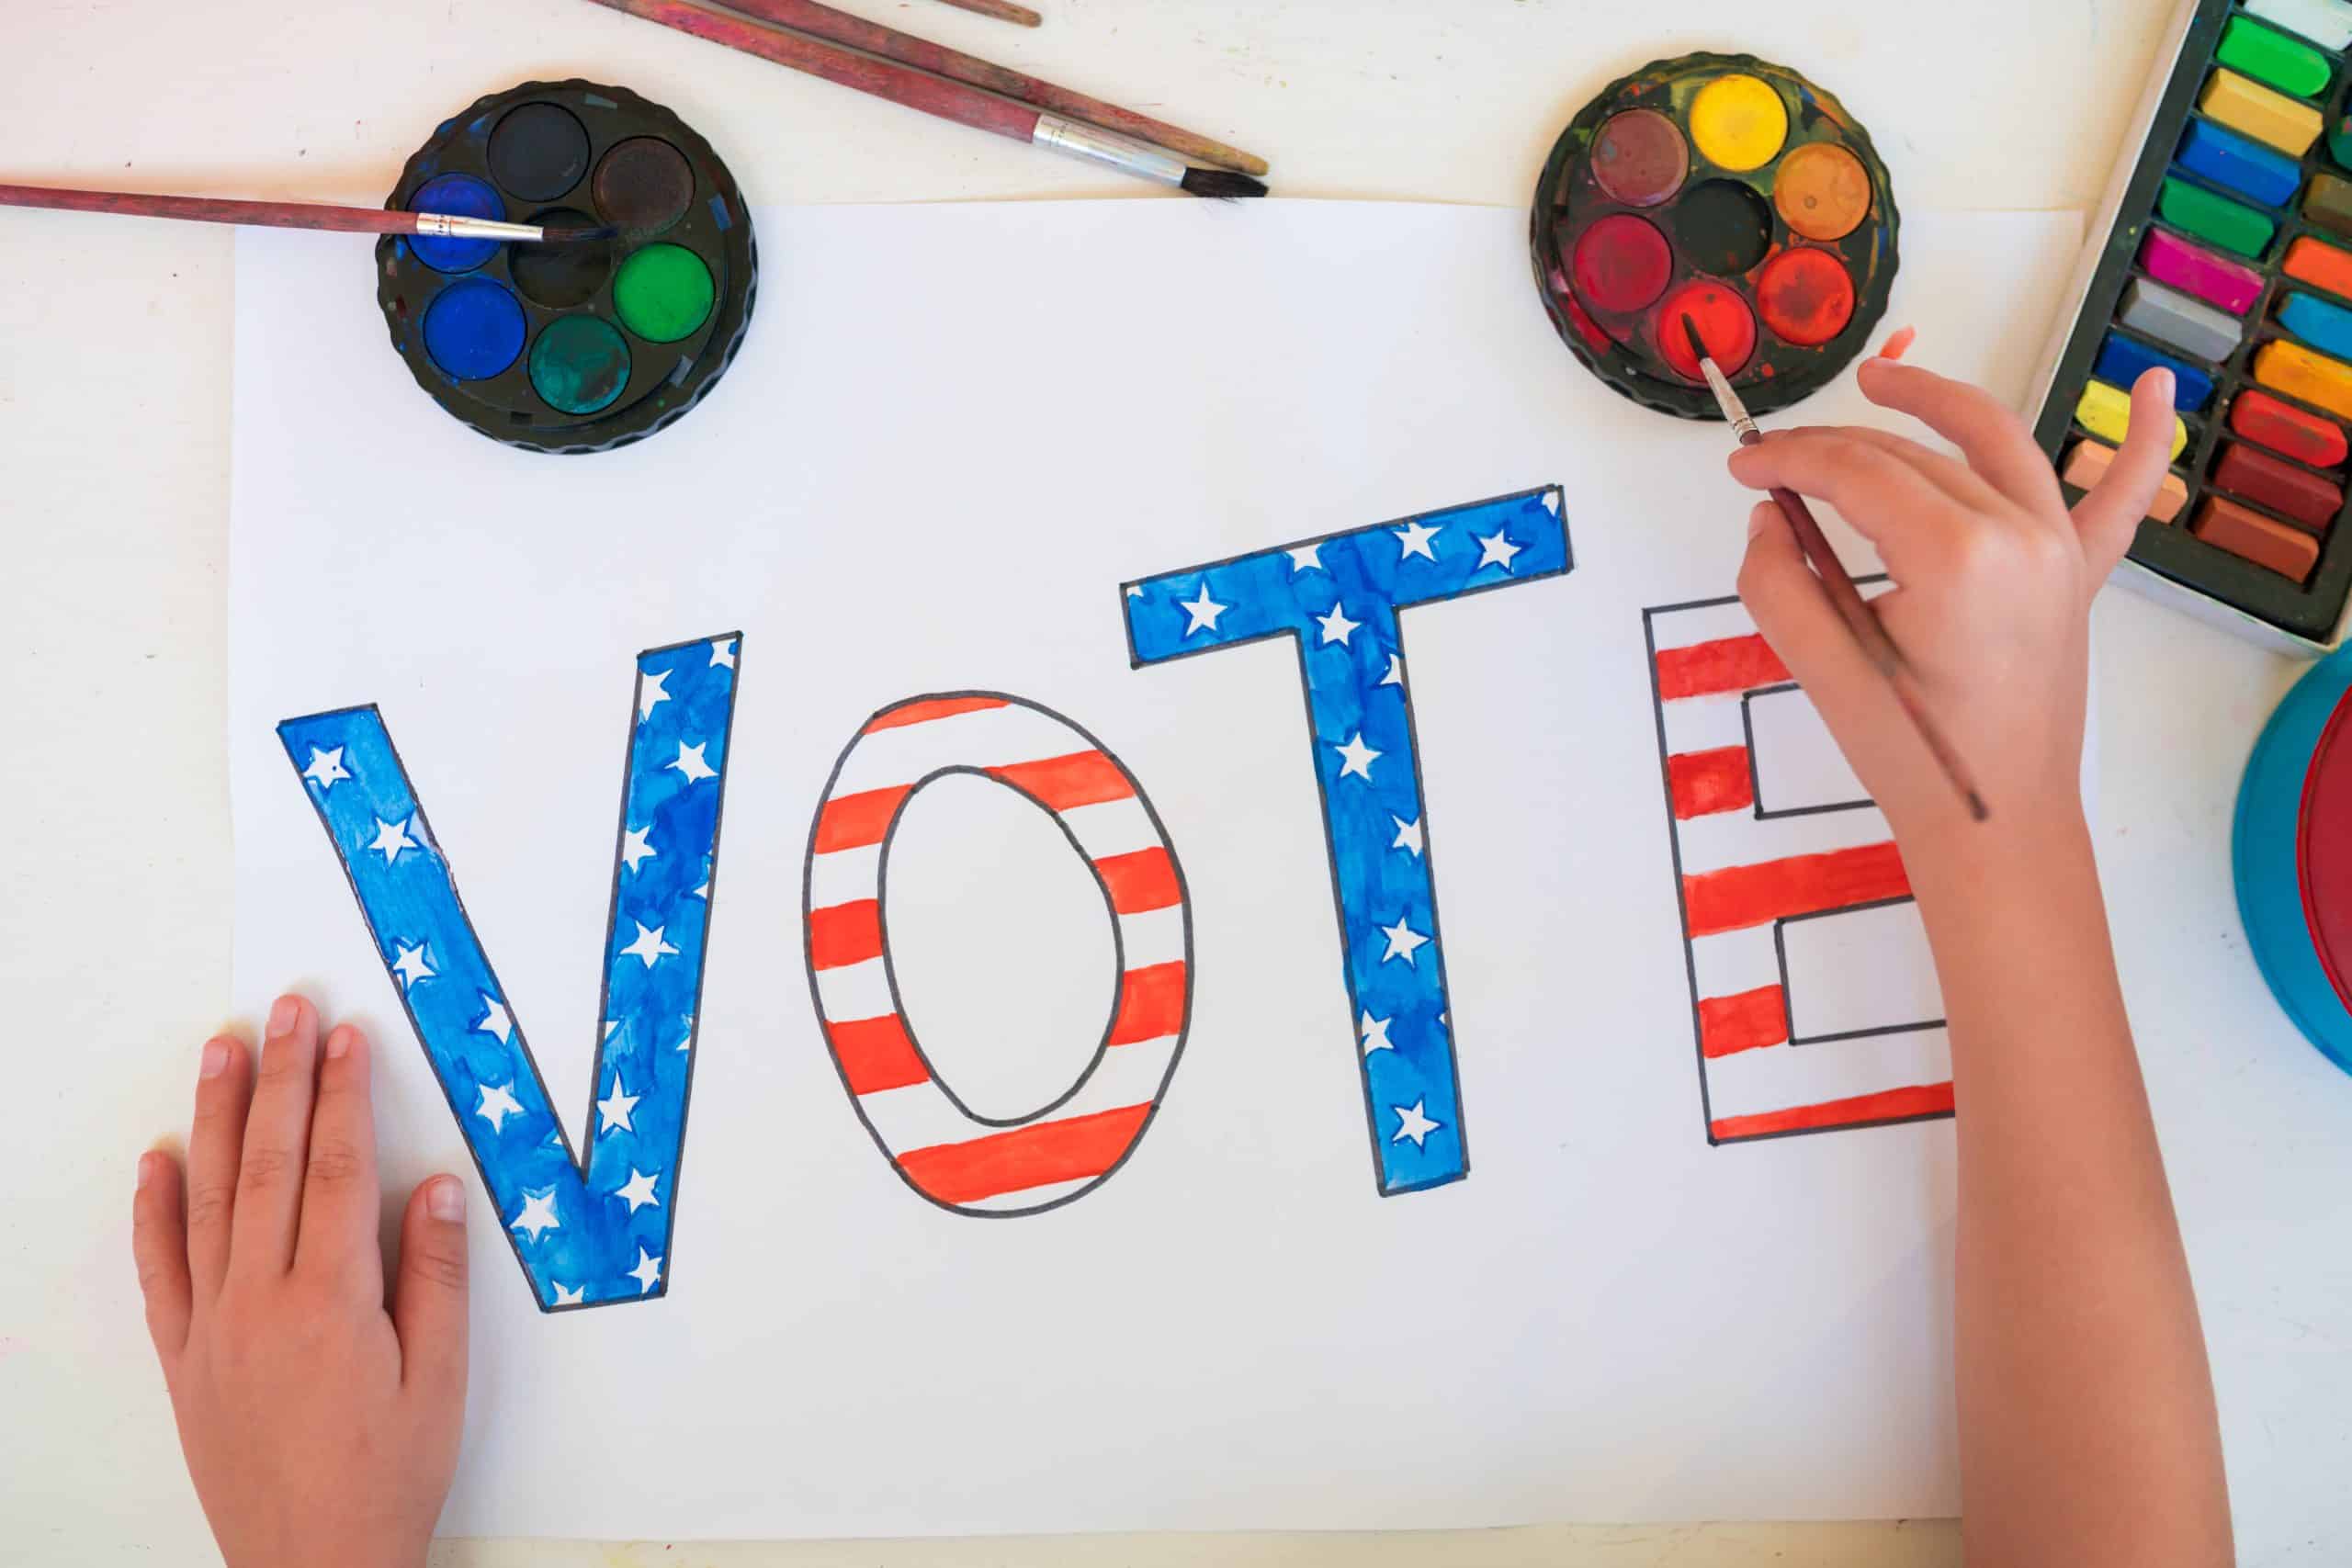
(1995, 580)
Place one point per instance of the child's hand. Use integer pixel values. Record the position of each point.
(1995, 580)
(319, 1428)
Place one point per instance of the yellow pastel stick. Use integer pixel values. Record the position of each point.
(2106, 412)
(2291, 368)
(2247, 106)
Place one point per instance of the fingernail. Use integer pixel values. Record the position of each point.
(445, 1201)
(338, 1044)
(146, 1169)
(216, 1059)
(1758, 519)
(2165, 384)
(282, 1015)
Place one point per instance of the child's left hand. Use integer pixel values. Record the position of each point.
(319, 1427)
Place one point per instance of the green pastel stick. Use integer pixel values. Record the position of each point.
(2274, 59)
(2215, 218)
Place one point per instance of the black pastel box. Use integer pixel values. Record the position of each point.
(2223, 253)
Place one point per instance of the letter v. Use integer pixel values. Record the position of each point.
(592, 1232)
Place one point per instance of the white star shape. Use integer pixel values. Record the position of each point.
(1336, 625)
(538, 1216)
(1304, 559)
(633, 847)
(638, 1189)
(1403, 942)
(647, 1272)
(498, 1102)
(688, 1043)
(1408, 834)
(1415, 538)
(412, 966)
(1356, 758)
(702, 893)
(1497, 550)
(1395, 676)
(325, 768)
(689, 762)
(649, 945)
(1134, 589)
(494, 1020)
(650, 693)
(1202, 611)
(1373, 1031)
(572, 1297)
(723, 656)
(1412, 1122)
(611, 1024)
(392, 838)
(616, 1107)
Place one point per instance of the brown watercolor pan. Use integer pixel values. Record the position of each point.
(1733, 191)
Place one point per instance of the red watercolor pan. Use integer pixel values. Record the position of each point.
(1729, 190)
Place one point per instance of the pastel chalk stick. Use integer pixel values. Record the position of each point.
(2087, 462)
(2274, 59)
(2215, 218)
(2328, 203)
(2169, 316)
(2248, 534)
(2325, 327)
(2296, 494)
(2244, 105)
(2238, 163)
(2122, 361)
(2289, 431)
(2208, 274)
(2321, 264)
(2289, 368)
(2106, 412)
(2327, 23)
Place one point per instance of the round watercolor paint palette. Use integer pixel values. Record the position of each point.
(1730, 190)
(2293, 853)
(570, 347)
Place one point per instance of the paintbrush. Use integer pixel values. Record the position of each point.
(1002, 10)
(839, 26)
(938, 95)
(1854, 610)
(300, 215)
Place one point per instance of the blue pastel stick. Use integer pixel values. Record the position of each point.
(2325, 327)
(2122, 361)
(2240, 164)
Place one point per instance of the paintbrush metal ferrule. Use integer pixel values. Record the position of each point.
(449, 226)
(1096, 145)
(1735, 412)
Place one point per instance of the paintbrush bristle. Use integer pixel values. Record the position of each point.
(1698, 343)
(1222, 185)
(578, 234)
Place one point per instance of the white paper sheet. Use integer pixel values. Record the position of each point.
(955, 432)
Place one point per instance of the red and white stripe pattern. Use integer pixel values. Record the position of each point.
(1742, 873)
(949, 1157)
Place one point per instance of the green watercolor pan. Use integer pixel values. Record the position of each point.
(1733, 191)
(576, 347)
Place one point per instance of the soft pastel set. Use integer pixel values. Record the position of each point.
(2225, 256)
(1728, 190)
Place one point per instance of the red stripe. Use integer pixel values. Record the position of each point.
(1727, 664)
(1704, 783)
(876, 1053)
(1151, 1003)
(1082, 778)
(1141, 880)
(925, 711)
(1888, 1105)
(1026, 1157)
(1742, 1022)
(844, 934)
(1742, 895)
(852, 821)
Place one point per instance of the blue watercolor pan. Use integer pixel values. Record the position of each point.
(579, 347)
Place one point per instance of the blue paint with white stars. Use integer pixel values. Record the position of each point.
(1340, 595)
(584, 1237)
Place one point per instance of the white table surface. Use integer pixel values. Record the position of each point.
(114, 423)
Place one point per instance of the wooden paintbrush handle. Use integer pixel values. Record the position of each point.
(883, 78)
(1004, 11)
(213, 209)
(825, 22)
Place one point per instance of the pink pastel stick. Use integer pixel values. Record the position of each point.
(2211, 278)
